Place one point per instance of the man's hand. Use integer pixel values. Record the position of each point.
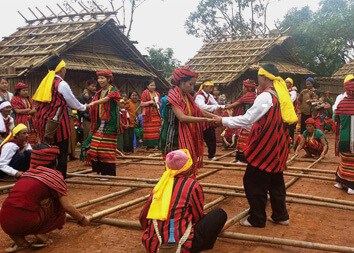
(18, 174)
(217, 121)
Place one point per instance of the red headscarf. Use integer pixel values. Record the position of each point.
(310, 121)
(44, 157)
(180, 73)
(20, 86)
(105, 72)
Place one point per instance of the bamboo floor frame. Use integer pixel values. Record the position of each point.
(223, 192)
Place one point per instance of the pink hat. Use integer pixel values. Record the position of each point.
(175, 160)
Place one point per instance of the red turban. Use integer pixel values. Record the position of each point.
(105, 72)
(349, 87)
(180, 73)
(249, 83)
(310, 121)
(44, 157)
(20, 86)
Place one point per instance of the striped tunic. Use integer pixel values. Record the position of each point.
(186, 206)
(268, 143)
(47, 111)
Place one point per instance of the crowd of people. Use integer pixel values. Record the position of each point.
(268, 121)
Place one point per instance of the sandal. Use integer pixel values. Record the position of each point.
(15, 248)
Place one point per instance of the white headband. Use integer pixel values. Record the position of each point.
(4, 104)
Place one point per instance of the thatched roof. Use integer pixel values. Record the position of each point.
(224, 62)
(345, 70)
(102, 45)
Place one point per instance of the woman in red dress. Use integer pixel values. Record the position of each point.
(37, 203)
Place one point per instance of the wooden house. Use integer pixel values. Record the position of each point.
(228, 63)
(87, 40)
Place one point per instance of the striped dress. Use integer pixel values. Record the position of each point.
(151, 118)
(105, 126)
(47, 111)
(28, 120)
(268, 143)
(186, 206)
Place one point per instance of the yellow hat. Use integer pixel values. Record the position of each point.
(13, 133)
(348, 77)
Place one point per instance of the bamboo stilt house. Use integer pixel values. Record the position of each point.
(87, 40)
(228, 63)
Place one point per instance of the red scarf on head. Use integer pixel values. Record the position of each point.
(113, 95)
(187, 138)
(146, 97)
(17, 103)
(51, 178)
(248, 98)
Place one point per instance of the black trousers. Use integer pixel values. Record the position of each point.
(63, 156)
(207, 229)
(128, 140)
(257, 183)
(304, 117)
(210, 140)
(20, 162)
(104, 168)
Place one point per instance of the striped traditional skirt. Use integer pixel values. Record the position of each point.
(102, 147)
(242, 140)
(152, 130)
(345, 171)
(314, 147)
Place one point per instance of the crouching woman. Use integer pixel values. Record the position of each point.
(173, 217)
(37, 203)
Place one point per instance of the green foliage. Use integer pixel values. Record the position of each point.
(163, 60)
(324, 40)
(215, 19)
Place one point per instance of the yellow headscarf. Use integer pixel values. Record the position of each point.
(163, 191)
(208, 83)
(14, 131)
(290, 81)
(288, 113)
(348, 77)
(44, 91)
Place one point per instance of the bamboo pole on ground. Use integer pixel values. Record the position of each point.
(240, 236)
(291, 159)
(236, 218)
(292, 181)
(150, 180)
(287, 242)
(105, 197)
(6, 187)
(224, 155)
(214, 203)
(117, 208)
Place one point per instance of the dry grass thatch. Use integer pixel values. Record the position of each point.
(224, 62)
(87, 41)
(345, 70)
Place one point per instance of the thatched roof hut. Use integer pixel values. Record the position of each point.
(88, 41)
(345, 70)
(334, 84)
(229, 63)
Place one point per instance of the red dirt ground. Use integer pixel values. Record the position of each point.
(307, 223)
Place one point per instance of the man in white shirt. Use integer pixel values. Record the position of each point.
(15, 152)
(52, 109)
(266, 152)
(206, 101)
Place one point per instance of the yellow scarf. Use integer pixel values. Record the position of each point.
(288, 113)
(14, 131)
(209, 83)
(163, 191)
(44, 91)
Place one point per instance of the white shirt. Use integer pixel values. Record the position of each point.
(260, 107)
(7, 153)
(64, 89)
(200, 101)
(338, 99)
(293, 95)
